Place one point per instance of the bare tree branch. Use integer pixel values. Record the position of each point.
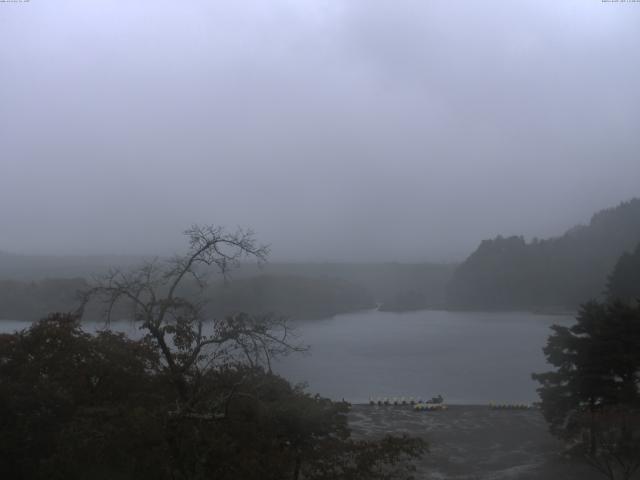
(172, 314)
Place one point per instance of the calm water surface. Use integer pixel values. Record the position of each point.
(468, 357)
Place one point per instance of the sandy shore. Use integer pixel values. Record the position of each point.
(474, 442)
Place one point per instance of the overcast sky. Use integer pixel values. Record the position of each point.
(337, 129)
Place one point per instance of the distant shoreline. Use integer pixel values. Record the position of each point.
(541, 312)
(560, 312)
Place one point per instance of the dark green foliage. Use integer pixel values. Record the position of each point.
(597, 361)
(591, 400)
(76, 406)
(509, 273)
(624, 281)
(72, 404)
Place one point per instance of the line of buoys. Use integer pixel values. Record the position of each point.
(421, 407)
(509, 406)
(393, 401)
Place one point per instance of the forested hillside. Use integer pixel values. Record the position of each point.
(624, 281)
(561, 272)
(397, 286)
(32, 300)
(32, 286)
(292, 296)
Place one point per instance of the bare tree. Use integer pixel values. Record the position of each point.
(167, 299)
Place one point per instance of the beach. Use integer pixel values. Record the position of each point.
(474, 442)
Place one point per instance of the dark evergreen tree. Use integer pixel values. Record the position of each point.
(624, 281)
(591, 400)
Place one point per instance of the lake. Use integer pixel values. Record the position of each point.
(468, 357)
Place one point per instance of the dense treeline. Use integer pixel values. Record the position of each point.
(397, 286)
(32, 300)
(383, 280)
(562, 272)
(301, 291)
(294, 297)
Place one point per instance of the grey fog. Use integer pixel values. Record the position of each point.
(359, 130)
